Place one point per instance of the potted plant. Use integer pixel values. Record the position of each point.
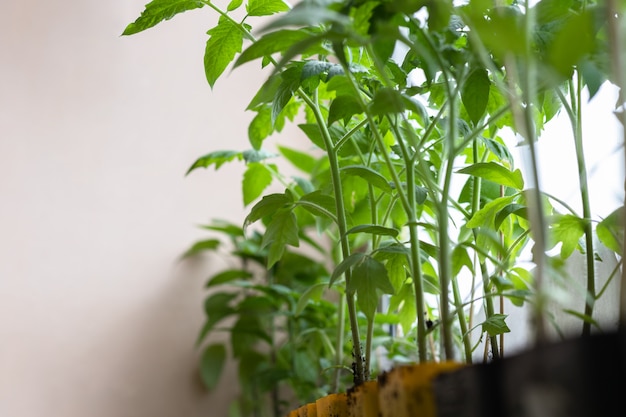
(409, 107)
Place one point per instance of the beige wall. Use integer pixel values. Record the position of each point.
(96, 132)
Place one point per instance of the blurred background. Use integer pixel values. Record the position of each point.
(98, 317)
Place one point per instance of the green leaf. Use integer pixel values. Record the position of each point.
(234, 5)
(404, 303)
(313, 68)
(343, 108)
(217, 158)
(227, 276)
(369, 175)
(201, 246)
(495, 325)
(301, 160)
(260, 127)
(461, 258)
(312, 131)
(212, 364)
(225, 41)
(517, 209)
(369, 276)
(475, 94)
(593, 76)
(610, 231)
(344, 265)
(281, 231)
(271, 43)
(257, 155)
(374, 229)
(495, 172)
(572, 42)
(319, 204)
(314, 292)
(265, 7)
(246, 333)
(308, 14)
(216, 307)
(486, 215)
(255, 180)
(158, 10)
(290, 83)
(568, 229)
(268, 205)
(387, 100)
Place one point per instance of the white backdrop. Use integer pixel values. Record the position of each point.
(96, 132)
(97, 318)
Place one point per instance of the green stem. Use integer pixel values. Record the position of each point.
(359, 375)
(416, 269)
(575, 116)
(445, 256)
(405, 199)
(536, 210)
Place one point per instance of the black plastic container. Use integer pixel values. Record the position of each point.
(584, 377)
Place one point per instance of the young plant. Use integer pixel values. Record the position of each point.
(410, 105)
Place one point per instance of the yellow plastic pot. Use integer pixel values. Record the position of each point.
(307, 410)
(406, 391)
(332, 405)
(363, 400)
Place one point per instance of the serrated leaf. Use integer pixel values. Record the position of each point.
(281, 231)
(369, 276)
(255, 180)
(201, 246)
(495, 325)
(475, 94)
(369, 175)
(495, 172)
(158, 10)
(303, 161)
(266, 7)
(217, 158)
(343, 108)
(212, 364)
(271, 43)
(568, 229)
(268, 205)
(374, 229)
(225, 41)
